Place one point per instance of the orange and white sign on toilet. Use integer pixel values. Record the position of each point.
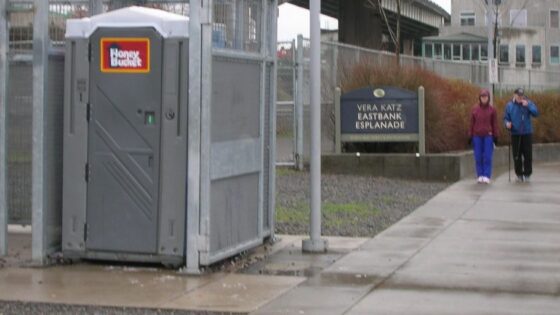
(125, 55)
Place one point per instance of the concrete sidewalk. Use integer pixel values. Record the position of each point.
(473, 249)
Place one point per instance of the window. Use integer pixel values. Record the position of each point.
(466, 52)
(554, 55)
(518, 18)
(475, 52)
(428, 50)
(447, 51)
(456, 51)
(467, 19)
(537, 58)
(484, 52)
(554, 19)
(520, 54)
(504, 54)
(437, 50)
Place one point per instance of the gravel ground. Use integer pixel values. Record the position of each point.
(18, 308)
(358, 206)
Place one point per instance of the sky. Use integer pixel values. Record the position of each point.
(294, 20)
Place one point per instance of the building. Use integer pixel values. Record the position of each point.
(528, 34)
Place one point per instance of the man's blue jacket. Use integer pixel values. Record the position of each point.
(520, 117)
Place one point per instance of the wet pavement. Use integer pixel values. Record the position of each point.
(472, 249)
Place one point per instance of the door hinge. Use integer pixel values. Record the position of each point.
(85, 232)
(88, 112)
(87, 172)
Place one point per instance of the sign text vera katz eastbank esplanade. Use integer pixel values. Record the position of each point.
(384, 110)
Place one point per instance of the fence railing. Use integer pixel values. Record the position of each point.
(338, 60)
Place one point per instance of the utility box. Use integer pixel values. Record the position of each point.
(129, 135)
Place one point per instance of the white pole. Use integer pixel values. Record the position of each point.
(490, 25)
(315, 243)
(4, 65)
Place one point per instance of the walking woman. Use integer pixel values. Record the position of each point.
(483, 134)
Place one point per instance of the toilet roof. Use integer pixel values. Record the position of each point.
(167, 24)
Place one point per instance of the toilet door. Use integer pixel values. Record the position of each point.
(124, 140)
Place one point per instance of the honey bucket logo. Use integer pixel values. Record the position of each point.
(125, 55)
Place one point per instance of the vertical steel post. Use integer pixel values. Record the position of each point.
(299, 103)
(421, 121)
(315, 243)
(490, 24)
(337, 127)
(40, 64)
(4, 66)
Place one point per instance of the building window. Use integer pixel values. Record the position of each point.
(456, 51)
(537, 58)
(468, 19)
(555, 55)
(437, 51)
(554, 19)
(466, 52)
(475, 52)
(483, 52)
(518, 18)
(447, 51)
(428, 50)
(520, 54)
(504, 54)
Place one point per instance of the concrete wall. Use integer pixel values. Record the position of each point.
(437, 167)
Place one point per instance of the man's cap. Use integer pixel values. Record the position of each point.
(519, 91)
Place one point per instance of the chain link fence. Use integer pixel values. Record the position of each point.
(286, 128)
(338, 60)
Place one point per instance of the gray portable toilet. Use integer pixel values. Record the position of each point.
(127, 124)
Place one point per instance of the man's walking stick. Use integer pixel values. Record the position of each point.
(509, 158)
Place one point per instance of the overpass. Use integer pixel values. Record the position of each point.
(360, 23)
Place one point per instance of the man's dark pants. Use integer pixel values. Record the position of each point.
(522, 147)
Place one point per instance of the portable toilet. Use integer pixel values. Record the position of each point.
(129, 134)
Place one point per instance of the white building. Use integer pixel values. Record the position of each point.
(528, 34)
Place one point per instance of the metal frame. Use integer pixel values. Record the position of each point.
(266, 57)
(40, 75)
(4, 74)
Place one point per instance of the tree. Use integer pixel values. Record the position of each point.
(497, 8)
(394, 34)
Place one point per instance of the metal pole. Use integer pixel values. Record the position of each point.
(421, 121)
(4, 66)
(315, 243)
(95, 7)
(337, 133)
(489, 18)
(40, 63)
(299, 103)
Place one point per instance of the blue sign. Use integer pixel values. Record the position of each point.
(379, 110)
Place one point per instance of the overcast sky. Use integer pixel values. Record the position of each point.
(295, 20)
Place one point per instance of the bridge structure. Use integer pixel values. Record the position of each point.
(361, 23)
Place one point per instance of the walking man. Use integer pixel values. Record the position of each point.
(517, 119)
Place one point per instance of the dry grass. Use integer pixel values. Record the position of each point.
(449, 102)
